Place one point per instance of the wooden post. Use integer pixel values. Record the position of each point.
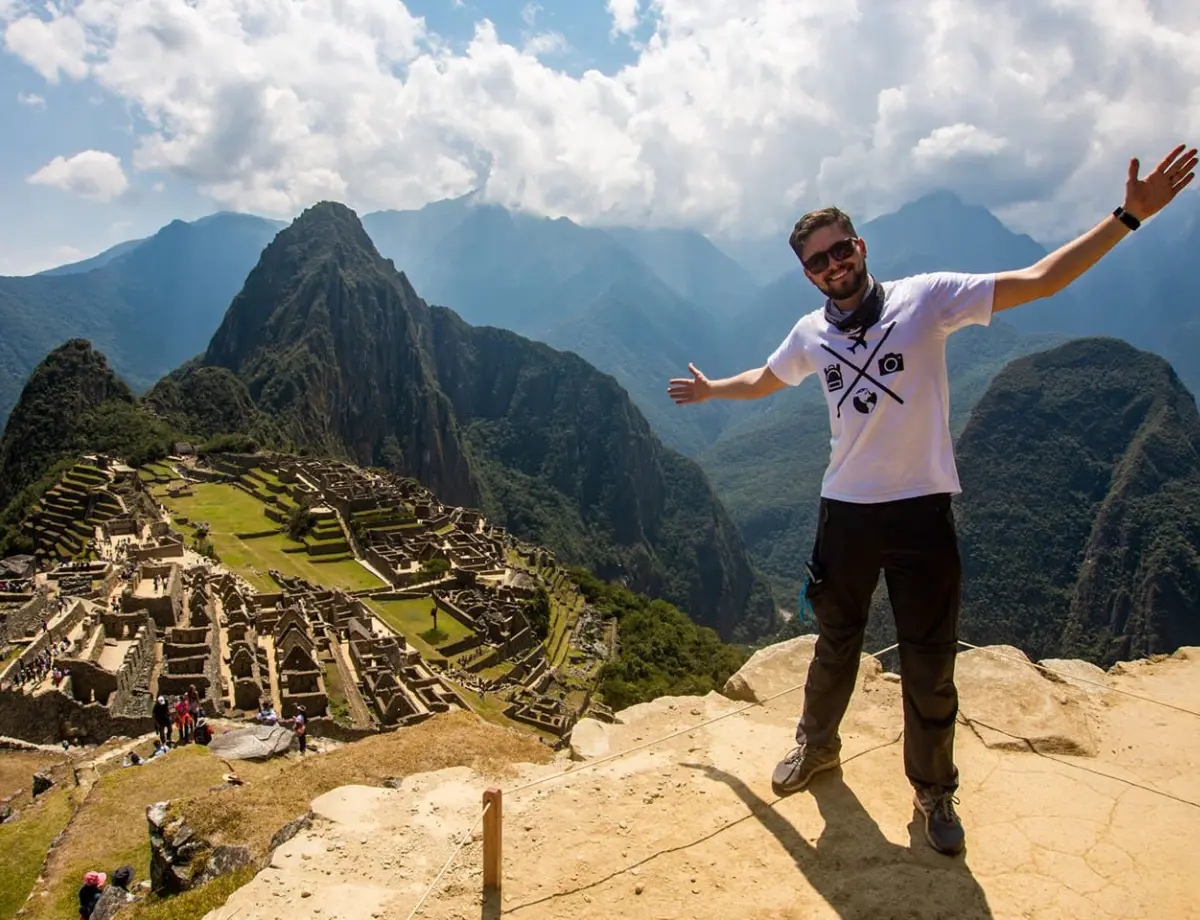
(493, 821)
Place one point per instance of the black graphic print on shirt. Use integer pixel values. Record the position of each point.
(864, 398)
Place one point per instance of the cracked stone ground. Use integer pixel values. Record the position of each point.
(1078, 803)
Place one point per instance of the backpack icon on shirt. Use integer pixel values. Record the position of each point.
(833, 378)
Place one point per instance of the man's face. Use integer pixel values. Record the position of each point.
(838, 279)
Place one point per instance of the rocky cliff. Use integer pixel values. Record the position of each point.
(1078, 800)
(1080, 514)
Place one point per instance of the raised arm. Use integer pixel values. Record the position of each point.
(1143, 199)
(751, 384)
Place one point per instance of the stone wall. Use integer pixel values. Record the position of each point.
(133, 679)
(48, 718)
(75, 614)
(169, 549)
(26, 620)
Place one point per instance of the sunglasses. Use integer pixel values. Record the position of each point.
(838, 252)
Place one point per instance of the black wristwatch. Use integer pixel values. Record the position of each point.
(1126, 218)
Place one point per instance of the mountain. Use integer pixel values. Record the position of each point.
(690, 265)
(937, 232)
(210, 401)
(325, 335)
(149, 307)
(73, 403)
(97, 261)
(336, 348)
(1143, 292)
(1080, 515)
(634, 303)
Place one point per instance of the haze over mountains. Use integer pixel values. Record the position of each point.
(636, 304)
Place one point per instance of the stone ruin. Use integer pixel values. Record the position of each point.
(158, 627)
(300, 674)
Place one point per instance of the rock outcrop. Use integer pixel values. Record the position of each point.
(1093, 814)
(180, 860)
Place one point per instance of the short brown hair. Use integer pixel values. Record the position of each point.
(813, 221)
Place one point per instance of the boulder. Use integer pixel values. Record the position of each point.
(589, 740)
(778, 667)
(258, 742)
(1012, 706)
(1082, 675)
(180, 860)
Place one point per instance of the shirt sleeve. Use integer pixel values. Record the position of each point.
(790, 362)
(958, 299)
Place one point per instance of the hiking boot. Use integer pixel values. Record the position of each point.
(804, 762)
(943, 829)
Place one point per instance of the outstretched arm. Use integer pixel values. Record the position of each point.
(751, 384)
(1143, 199)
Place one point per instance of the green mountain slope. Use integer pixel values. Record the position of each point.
(336, 348)
(1080, 517)
(621, 299)
(149, 307)
(73, 403)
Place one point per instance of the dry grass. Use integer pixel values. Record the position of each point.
(17, 769)
(110, 829)
(279, 791)
(24, 842)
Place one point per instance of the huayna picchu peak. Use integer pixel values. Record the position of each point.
(327, 349)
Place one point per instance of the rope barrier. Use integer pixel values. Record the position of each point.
(1085, 680)
(674, 734)
(763, 702)
(458, 849)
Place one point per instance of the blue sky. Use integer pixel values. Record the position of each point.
(728, 116)
(42, 226)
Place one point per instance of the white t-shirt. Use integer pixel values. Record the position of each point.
(888, 396)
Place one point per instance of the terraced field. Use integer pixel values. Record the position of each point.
(228, 511)
(67, 515)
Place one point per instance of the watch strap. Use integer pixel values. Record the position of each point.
(1126, 218)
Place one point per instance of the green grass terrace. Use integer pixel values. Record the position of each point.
(410, 618)
(229, 511)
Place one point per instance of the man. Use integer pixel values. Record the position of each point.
(879, 353)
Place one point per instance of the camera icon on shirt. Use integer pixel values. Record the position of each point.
(891, 363)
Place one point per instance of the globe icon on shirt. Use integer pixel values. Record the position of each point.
(864, 400)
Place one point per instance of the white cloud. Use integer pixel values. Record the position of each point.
(91, 174)
(49, 45)
(624, 15)
(33, 100)
(736, 114)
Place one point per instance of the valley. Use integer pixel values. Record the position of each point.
(436, 539)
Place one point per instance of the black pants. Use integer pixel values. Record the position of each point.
(915, 544)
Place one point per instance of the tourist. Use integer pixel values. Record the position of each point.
(193, 702)
(879, 354)
(266, 714)
(89, 894)
(122, 878)
(300, 721)
(162, 719)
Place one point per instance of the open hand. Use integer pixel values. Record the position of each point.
(685, 391)
(1146, 197)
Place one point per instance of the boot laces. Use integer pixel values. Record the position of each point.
(943, 807)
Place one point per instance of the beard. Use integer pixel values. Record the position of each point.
(854, 281)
